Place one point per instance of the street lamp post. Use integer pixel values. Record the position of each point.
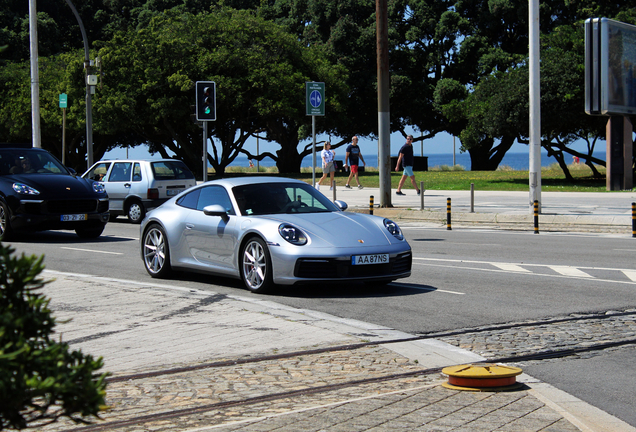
(89, 110)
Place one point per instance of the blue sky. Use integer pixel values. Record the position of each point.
(441, 144)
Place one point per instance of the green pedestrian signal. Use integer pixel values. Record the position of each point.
(206, 100)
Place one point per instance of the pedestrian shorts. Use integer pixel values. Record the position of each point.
(408, 171)
(328, 168)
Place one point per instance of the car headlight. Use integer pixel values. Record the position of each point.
(21, 188)
(393, 229)
(98, 187)
(292, 234)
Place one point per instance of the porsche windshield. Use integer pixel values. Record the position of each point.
(276, 198)
(27, 161)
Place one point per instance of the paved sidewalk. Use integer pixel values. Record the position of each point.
(148, 327)
(562, 211)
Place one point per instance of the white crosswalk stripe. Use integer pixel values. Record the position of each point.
(511, 267)
(570, 271)
(631, 274)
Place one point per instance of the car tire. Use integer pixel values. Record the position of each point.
(256, 266)
(136, 212)
(5, 222)
(155, 252)
(112, 217)
(90, 232)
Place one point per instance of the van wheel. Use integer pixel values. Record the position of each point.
(136, 212)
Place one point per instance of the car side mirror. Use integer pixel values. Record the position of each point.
(341, 205)
(72, 171)
(216, 210)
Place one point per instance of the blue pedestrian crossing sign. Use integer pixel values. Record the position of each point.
(315, 98)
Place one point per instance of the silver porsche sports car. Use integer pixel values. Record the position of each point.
(270, 231)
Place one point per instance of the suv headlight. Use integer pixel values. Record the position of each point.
(292, 234)
(24, 189)
(393, 229)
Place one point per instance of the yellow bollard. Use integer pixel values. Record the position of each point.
(536, 216)
(371, 205)
(633, 219)
(448, 214)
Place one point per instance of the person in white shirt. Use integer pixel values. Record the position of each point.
(328, 167)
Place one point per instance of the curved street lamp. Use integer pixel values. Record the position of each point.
(89, 111)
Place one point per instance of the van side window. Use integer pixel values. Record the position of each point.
(120, 172)
(137, 172)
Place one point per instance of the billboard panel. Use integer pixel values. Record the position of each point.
(610, 67)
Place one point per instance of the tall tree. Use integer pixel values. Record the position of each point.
(259, 69)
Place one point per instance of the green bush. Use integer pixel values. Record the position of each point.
(41, 380)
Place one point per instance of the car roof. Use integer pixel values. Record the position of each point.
(139, 160)
(21, 146)
(246, 180)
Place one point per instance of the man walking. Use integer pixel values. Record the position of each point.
(406, 158)
(351, 159)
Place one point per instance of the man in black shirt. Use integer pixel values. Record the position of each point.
(406, 158)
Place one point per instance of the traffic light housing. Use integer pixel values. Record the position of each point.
(206, 100)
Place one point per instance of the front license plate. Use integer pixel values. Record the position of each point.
(173, 192)
(73, 217)
(369, 259)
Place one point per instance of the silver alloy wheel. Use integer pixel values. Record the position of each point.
(254, 265)
(135, 212)
(155, 251)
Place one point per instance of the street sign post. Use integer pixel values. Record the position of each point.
(315, 103)
(315, 97)
(63, 105)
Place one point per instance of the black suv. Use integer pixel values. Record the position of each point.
(38, 193)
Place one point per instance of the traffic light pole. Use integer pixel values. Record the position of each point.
(205, 151)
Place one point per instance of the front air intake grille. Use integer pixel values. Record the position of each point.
(315, 268)
(71, 206)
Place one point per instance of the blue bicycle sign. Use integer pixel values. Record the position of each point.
(315, 97)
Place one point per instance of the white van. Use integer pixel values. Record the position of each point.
(136, 186)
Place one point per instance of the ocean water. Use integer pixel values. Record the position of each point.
(516, 161)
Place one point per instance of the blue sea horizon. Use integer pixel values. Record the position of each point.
(515, 161)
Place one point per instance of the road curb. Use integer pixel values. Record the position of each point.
(547, 222)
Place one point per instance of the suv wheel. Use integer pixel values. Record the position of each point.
(5, 222)
(90, 232)
(136, 212)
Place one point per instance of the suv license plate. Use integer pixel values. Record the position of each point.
(369, 259)
(73, 217)
(173, 192)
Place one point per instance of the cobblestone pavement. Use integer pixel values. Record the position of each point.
(372, 388)
(616, 326)
(406, 403)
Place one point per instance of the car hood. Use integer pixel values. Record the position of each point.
(56, 185)
(341, 229)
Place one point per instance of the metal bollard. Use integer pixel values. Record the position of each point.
(536, 216)
(448, 214)
(472, 197)
(633, 219)
(421, 195)
(333, 186)
(371, 205)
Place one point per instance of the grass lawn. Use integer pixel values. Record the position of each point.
(445, 178)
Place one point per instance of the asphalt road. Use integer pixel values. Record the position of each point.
(461, 278)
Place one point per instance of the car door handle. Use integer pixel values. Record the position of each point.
(127, 185)
(189, 226)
